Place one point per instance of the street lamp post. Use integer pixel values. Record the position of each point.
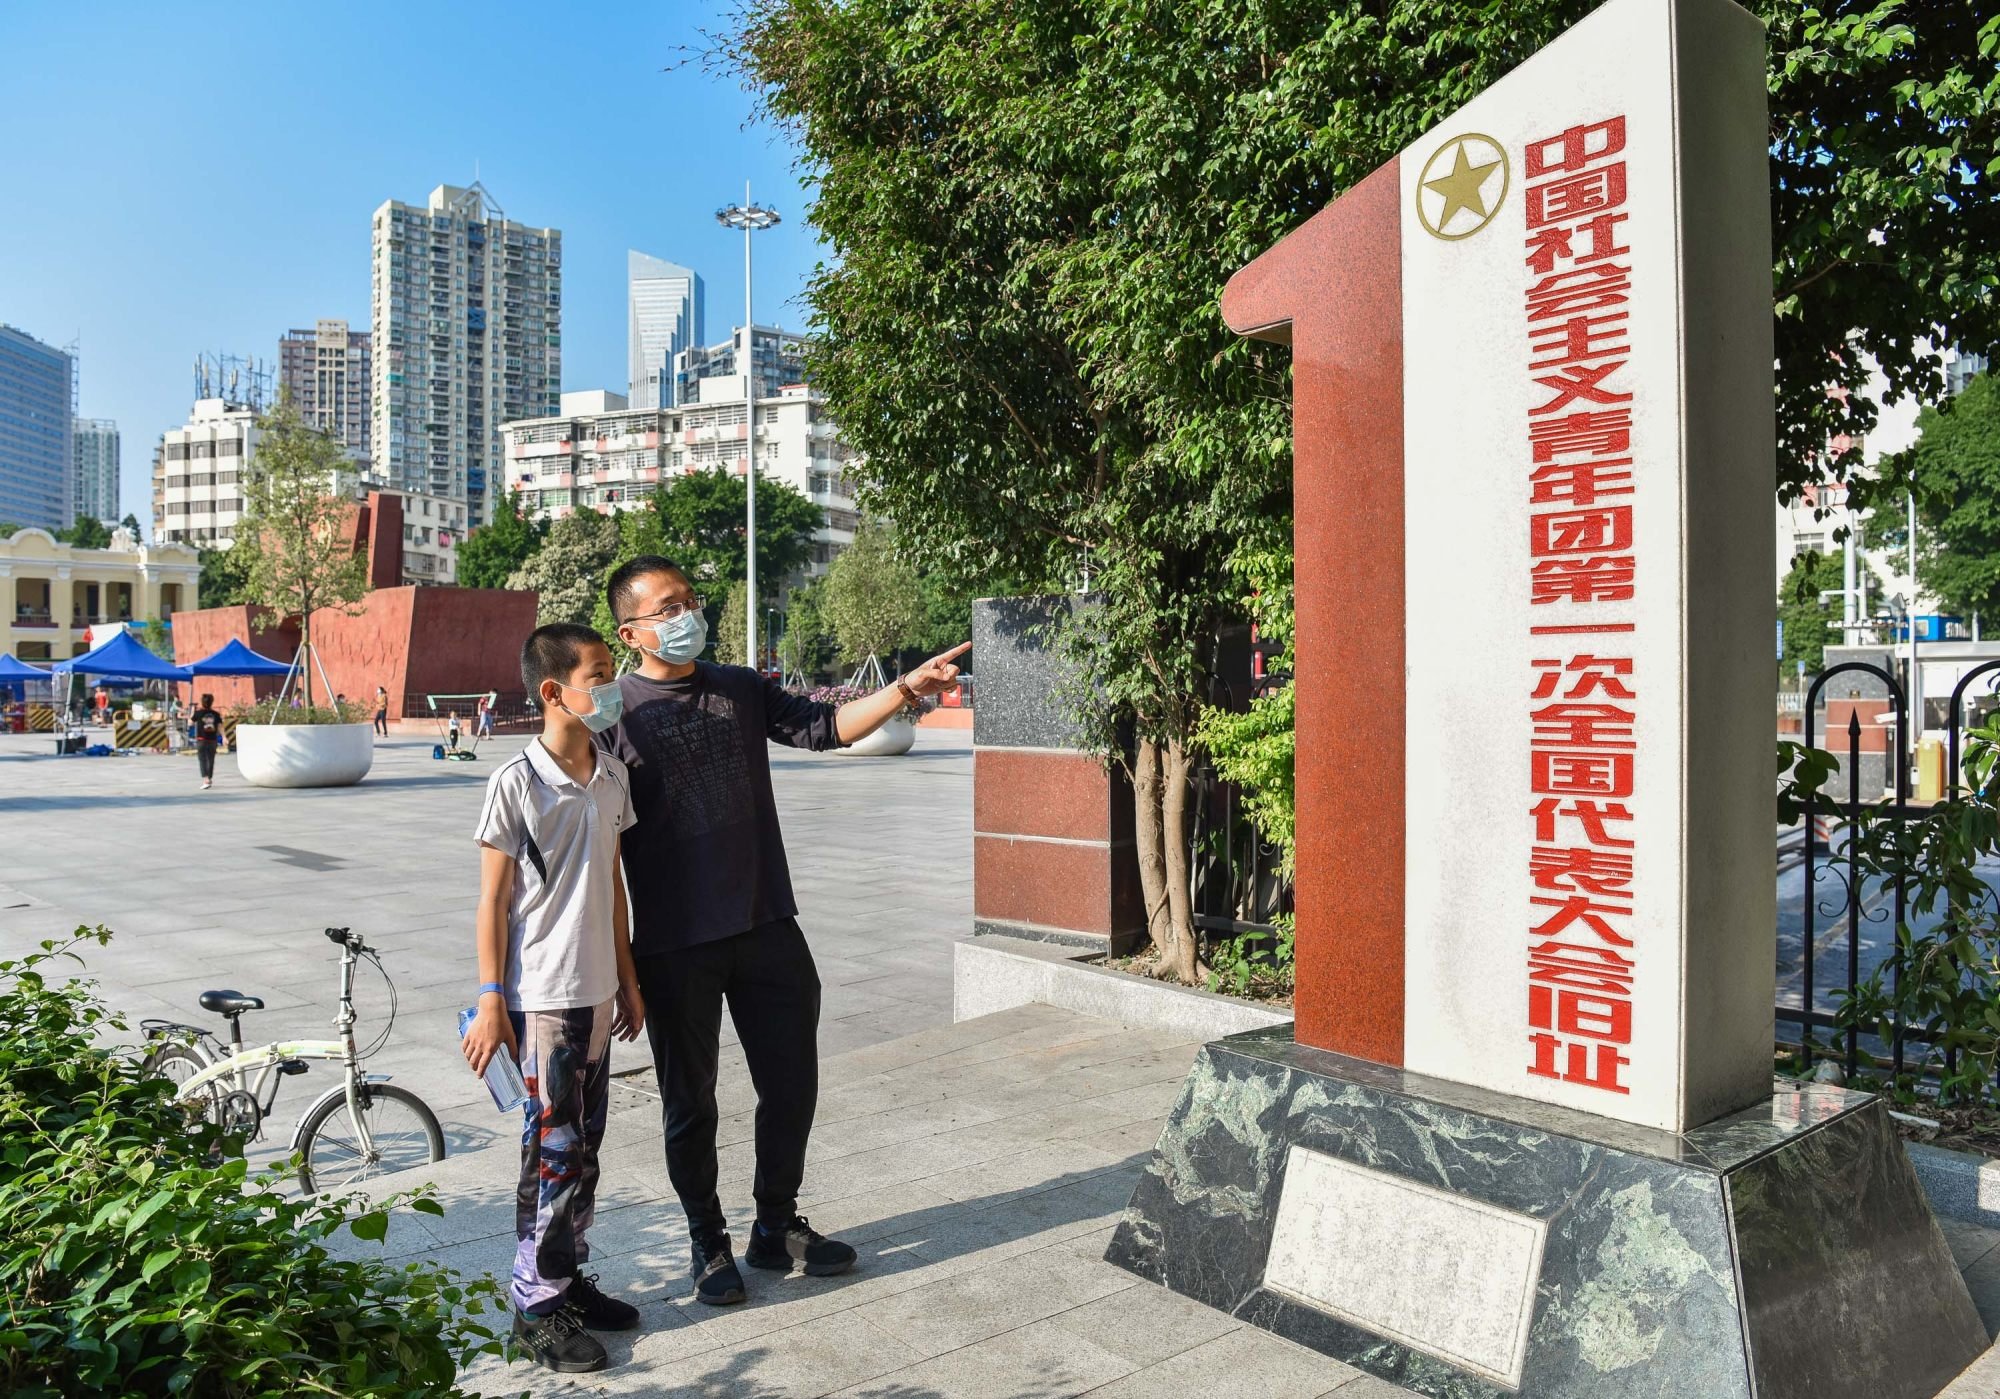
(751, 219)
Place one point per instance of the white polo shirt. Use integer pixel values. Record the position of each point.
(561, 948)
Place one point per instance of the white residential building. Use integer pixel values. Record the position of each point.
(610, 461)
(663, 316)
(94, 479)
(433, 528)
(779, 357)
(1814, 523)
(467, 308)
(199, 471)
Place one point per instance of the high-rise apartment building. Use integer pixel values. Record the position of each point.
(467, 308)
(37, 408)
(779, 357)
(325, 370)
(663, 316)
(94, 474)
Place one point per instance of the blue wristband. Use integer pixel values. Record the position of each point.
(495, 987)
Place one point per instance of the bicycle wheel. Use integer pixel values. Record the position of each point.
(177, 1063)
(403, 1133)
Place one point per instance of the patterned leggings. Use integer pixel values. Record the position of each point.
(566, 1060)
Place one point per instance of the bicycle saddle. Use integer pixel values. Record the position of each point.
(229, 1002)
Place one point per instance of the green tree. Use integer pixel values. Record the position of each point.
(1955, 464)
(304, 560)
(131, 523)
(86, 532)
(567, 571)
(225, 574)
(8, 529)
(804, 643)
(729, 627)
(946, 607)
(1808, 622)
(158, 636)
(871, 598)
(697, 521)
(1032, 209)
(496, 550)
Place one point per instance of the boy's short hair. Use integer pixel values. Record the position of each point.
(207, 700)
(554, 652)
(620, 588)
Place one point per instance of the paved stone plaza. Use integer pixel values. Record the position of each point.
(232, 887)
(979, 1167)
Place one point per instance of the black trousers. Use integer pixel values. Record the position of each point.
(768, 978)
(206, 752)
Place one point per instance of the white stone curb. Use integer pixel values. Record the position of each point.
(1962, 1185)
(998, 973)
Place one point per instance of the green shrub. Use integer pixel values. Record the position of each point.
(129, 1266)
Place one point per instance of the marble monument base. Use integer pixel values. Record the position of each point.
(1462, 1243)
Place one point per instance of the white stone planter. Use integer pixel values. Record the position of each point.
(892, 738)
(304, 755)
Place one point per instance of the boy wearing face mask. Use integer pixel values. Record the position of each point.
(557, 981)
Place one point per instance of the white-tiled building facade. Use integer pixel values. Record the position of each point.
(199, 470)
(467, 320)
(611, 461)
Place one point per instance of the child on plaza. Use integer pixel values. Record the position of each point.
(451, 731)
(207, 728)
(557, 981)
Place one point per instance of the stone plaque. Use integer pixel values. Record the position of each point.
(1444, 1274)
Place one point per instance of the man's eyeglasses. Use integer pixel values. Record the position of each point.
(673, 611)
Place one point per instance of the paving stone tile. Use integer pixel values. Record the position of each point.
(815, 1357)
(1039, 1361)
(969, 1306)
(1145, 1324)
(1969, 1242)
(1245, 1363)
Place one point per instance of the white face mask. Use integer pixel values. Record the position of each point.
(682, 639)
(607, 705)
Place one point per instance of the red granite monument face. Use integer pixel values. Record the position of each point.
(1533, 438)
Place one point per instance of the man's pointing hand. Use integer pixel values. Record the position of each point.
(938, 673)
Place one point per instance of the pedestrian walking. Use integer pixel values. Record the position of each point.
(382, 710)
(206, 727)
(713, 916)
(485, 727)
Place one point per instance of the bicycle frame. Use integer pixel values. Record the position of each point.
(263, 1061)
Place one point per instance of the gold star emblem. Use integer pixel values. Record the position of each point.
(1455, 203)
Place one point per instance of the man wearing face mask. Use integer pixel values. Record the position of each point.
(713, 916)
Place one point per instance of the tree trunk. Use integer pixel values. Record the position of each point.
(1151, 846)
(1185, 961)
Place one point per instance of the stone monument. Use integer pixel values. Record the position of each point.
(1524, 1138)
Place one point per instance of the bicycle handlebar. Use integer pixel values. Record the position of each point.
(346, 939)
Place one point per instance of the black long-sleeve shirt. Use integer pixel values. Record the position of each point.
(706, 859)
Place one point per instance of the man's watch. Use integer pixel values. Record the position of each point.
(911, 699)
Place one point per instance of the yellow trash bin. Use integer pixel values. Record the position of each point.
(1930, 770)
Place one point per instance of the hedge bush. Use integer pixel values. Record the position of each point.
(131, 1266)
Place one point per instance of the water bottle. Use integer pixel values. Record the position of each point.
(503, 1075)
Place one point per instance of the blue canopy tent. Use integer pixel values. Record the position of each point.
(121, 658)
(14, 672)
(238, 659)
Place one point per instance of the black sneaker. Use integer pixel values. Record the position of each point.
(798, 1243)
(594, 1309)
(558, 1342)
(716, 1280)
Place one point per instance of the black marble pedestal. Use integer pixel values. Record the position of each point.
(1783, 1252)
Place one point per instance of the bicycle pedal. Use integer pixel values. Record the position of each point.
(293, 1066)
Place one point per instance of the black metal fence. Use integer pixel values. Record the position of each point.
(1842, 896)
(1237, 883)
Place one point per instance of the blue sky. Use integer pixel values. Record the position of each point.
(200, 177)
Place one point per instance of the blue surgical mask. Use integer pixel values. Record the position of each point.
(607, 704)
(682, 639)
